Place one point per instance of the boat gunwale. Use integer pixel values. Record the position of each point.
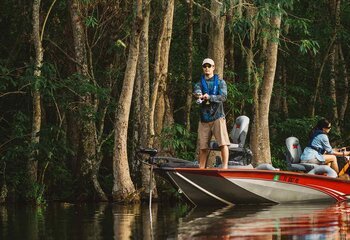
(259, 171)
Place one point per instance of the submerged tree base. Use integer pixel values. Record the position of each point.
(124, 197)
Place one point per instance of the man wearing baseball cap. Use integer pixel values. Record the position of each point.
(211, 92)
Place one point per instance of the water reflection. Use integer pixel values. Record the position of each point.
(318, 221)
(112, 221)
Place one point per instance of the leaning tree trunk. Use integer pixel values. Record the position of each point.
(88, 178)
(123, 188)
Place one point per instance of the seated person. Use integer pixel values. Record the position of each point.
(319, 150)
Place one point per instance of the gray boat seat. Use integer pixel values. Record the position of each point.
(238, 135)
(293, 154)
(239, 154)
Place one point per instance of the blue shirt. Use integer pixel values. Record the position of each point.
(320, 141)
(214, 109)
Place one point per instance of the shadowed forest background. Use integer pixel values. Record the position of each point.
(85, 83)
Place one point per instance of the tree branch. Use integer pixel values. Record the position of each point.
(8, 93)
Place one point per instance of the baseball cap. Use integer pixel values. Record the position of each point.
(209, 61)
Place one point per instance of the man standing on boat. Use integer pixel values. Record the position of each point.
(211, 92)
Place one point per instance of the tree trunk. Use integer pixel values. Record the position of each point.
(334, 62)
(189, 97)
(345, 98)
(277, 91)
(137, 115)
(255, 133)
(143, 81)
(216, 48)
(216, 51)
(73, 140)
(230, 40)
(318, 79)
(36, 121)
(160, 103)
(332, 88)
(3, 185)
(123, 188)
(284, 92)
(266, 90)
(261, 138)
(89, 162)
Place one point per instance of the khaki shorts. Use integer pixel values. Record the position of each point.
(217, 128)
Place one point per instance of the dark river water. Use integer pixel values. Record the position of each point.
(162, 221)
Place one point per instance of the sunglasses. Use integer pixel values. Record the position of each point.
(329, 127)
(206, 66)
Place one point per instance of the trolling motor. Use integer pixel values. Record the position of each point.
(151, 152)
(165, 161)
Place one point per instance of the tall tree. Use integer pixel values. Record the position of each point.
(334, 6)
(142, 106)
(88, 172)
(123, 187)
(232, 16)
(332, 86)
(261, 142)
(36, 95)
(345, 100)
(216, 48)
(334, 60)
(161, 109)
(284, 91)
(189, 64)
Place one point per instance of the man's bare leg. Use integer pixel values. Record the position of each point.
(203, 155)
(224, 156)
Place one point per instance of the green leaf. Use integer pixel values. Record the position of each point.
(91, 21)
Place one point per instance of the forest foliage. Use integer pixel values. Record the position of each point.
(311, 81)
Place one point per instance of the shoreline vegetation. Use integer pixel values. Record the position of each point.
(85, 83)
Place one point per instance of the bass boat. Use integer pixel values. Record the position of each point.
(245, 184)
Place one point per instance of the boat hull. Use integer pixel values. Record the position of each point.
(243, 186)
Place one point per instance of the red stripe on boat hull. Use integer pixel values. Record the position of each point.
(220, 187)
